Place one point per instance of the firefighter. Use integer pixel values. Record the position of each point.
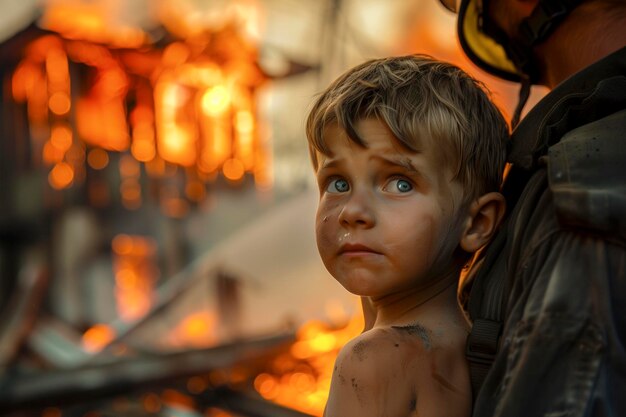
(547, 297)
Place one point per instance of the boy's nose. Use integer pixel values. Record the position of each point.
(357, 212)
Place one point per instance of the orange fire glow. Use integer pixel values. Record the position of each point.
(301, 379)
(98, 158)
(96, 337)
(88, 21)
(61, 176)
(51, 412)
(196, 330)
(190, 105)
(135, 274)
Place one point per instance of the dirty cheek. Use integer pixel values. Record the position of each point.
(430, 230)
(323, 237)
(437, 239)
(325, 220)
(421, 234)
(448, 240)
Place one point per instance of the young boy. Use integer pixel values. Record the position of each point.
(409, 154)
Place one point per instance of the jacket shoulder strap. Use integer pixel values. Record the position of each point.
(490, 291)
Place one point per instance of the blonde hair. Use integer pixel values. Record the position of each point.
(424, 102)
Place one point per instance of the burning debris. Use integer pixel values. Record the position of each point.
(293, 373)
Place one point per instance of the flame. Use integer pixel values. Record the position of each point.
(59, 103)
(175, 122)
(301, 379)
(52, 155)
(97, 337)
(142, 120)
(61, 176)
(215, 100)
(183, 19)
(61, 137)
(135, 274)
(233, 169)
(90, 21)
(101, 115)
(196, 330)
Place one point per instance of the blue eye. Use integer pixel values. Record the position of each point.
(398, 185)
(338, 186)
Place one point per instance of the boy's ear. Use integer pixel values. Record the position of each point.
(484, 216)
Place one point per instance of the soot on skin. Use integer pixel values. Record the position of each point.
(360, 350)
(416, 330)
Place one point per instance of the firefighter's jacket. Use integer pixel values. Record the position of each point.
(556, 272)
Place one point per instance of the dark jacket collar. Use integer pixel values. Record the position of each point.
(590, 94)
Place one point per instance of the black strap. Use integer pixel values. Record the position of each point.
(481, 349)
(485, 308)
(490, 292)
(524, 93)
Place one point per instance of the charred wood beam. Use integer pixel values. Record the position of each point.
(20, 314)
(92, 382)
(57, 344)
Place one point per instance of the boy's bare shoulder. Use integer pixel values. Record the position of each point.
(400, 346)
(406, 368)
(379, 344)
(370, 378)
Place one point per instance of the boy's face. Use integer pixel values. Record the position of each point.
(387, 219)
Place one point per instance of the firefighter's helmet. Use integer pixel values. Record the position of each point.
(489, 48)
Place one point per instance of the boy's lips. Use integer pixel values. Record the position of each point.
(356, 248)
